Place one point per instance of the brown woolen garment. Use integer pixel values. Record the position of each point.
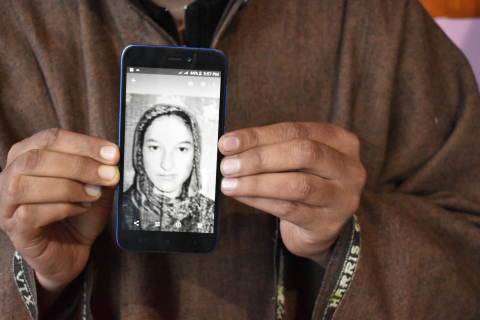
(381, 69)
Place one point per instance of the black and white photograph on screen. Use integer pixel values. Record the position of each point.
(170, 162)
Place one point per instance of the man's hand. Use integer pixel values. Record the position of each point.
(56, 194)
(307, 174)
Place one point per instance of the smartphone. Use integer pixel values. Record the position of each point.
(172, 114)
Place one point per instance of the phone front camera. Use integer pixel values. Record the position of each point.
(189, 59)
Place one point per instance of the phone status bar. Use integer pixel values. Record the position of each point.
(179, 72)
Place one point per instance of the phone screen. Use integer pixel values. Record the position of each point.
(170, 149)
(172, 114)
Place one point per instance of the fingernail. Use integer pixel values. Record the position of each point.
(86, 204)
(108, 152)
(93, 191)
(106, 172)
(231, 143)
(231, 165)
(229, 184)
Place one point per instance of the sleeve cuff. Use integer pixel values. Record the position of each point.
(340, 271)
(73, 301)
(23, 279)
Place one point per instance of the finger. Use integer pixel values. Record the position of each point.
(64, 141)
(85, 220)
(35, 190)
(329, 134)
(303, 155)
(289, 186)
(317, 223)
(90, 224)
(300, 214)
(43, 163)
(28, 217)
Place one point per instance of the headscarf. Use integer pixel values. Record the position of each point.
(152, 206)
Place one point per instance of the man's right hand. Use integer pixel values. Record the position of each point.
(56, 194)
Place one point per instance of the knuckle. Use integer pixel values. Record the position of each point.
(301, 186)
(29, 162)
(13, 190)
(83, 144)
(48, 138)
(260, 161)
(79, 167)
(353, 141)
(255, 184)
(288, 208)
(306, 150)
(358, 175)
(24, 215)
(294, 130)
(351, 193)
(254, 137)
(14, 150)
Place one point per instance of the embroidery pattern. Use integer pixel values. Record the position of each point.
(348, 271)
(22, 285)
(84, 309)
(280, 289)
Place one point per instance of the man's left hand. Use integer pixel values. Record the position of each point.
(307, 174)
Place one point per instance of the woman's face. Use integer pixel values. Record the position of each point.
(168, 154)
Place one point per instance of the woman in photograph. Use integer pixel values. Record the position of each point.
(165, 194)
